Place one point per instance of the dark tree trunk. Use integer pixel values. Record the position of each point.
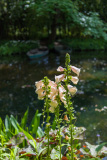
(53, 30)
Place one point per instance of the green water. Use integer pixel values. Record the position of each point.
(17, 90)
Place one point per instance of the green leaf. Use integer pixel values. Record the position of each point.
(23, 159)
(17, 139)
(14, 124)
(40, 132)
(92, 149)
(1, 125)
(7, 123)
(28, 135)
(100, 147)
(24, 119)
(35, 123)
(43, 151)
(8, 126)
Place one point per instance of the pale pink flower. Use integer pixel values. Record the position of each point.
(52, 83)
(75, 70)
(41, 93)
(53, 105)
(60, 69)
(72, 89)
(74, 79)
(63, 99)
(62, 94)
(53, 92)
(39, 84)
(59, 78)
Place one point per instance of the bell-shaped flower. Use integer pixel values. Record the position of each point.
(74, 79)
(63, 99)
(60, 69)
(41, 93)
(59, 78)
(75, 70)
(53, 92)
(52, 83)
(39, 84)
(62, 94)
(53, 105)
(72, 89)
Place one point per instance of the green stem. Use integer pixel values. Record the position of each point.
(59, 132)
(46, 82)
(69, 112)
(71, 133)
(48, 135)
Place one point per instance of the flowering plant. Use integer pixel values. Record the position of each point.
(55, 89)
(55, 93)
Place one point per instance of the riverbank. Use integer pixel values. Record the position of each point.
(12, 47)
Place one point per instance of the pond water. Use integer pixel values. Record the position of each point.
(17, 91)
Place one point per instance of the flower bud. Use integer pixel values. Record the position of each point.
(60, 69)
(65, 118)
(66, 138)
(69, 148)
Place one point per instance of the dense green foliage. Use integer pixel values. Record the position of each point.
(22, 47)
(85, 44)
(35, 19)
(14, 47)
(20, 141)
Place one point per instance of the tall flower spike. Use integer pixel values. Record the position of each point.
(75, 70)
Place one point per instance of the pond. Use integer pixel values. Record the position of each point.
(17, 91)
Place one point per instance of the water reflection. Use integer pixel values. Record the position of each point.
(17, 90)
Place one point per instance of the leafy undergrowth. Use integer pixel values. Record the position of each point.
(86, 44)
(17, 46)
(20, 142)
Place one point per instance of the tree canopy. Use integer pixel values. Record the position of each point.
(33, 19)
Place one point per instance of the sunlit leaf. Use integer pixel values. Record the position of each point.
(24, 119)
(100, 147)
